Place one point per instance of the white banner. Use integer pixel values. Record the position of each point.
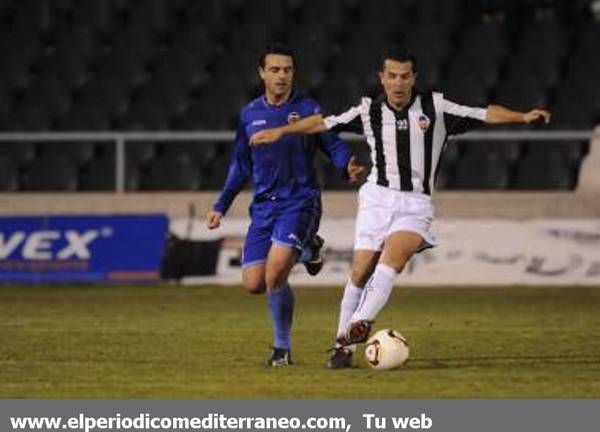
(470, 252)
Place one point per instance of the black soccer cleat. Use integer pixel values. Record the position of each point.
(315, 263)
(280, 357)
(357, 333)
(340, 359)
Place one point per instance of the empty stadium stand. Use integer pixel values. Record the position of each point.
(144, 65)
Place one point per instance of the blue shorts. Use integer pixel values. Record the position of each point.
(286, 222)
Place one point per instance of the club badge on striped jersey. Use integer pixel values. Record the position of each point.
(293, 117)
(424, 122)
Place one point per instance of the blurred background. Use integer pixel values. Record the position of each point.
(190, 65)
(113, 108)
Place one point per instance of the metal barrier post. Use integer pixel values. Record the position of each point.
(120, 164)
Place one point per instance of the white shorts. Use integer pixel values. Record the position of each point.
(383, 211)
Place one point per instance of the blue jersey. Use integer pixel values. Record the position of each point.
(283, 170)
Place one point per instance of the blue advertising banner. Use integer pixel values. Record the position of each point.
(119, 248)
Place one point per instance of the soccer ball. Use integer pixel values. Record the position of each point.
(386, 349)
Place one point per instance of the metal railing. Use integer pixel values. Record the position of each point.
(122, 138)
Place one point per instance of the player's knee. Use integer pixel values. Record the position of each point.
(273, 281)
(360, 277)
(255, 287)
(398, 263)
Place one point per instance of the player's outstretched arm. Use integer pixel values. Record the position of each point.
(497, 114)
(309, 125)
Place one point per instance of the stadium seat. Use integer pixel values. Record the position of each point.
(481, 172)
(536, 172)
(182, 67)
(20, 152)
(545, 37)
(432, 41)
(99, 175)
(36, 15)
(50, 92)
(50, 173)
(477, 68)
(69, 66)
(387, 15)
(140, 152)
(571, 151)
(151, 15)
(97, 15)
(489, 40)
(9, 175)
(77, 152)
(201, 153)
(310, 74)
(215, 173)
(465, 89)
(313, 40)
(163, 98)
(508, 151)
(29, 117)
(253, 13)
(83, 117)
(329, 95)
(189, 64)
(14, 69)
(172, 172)
(521, 93)
(6, 97)
(545, 70)
(447, 13)
(145, 116)
(212, 15)
(108, 92)
(445, 174)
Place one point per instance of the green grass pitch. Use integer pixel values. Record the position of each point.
(210, 342)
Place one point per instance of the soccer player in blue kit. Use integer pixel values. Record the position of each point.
(286, 207)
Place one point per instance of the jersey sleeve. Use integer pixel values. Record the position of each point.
(460, 118)
(336, 149)
(240, 170)
(348, 121)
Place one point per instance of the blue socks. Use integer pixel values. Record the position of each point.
(281, 306)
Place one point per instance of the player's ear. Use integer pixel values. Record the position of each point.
(261, 72)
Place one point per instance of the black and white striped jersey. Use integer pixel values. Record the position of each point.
(406, 145)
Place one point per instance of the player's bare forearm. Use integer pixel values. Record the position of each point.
(309, 125)
(497, 114)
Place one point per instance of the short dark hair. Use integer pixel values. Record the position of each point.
(275, 48)
(400, 54)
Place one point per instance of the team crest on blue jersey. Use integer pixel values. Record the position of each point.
(293, 117)
(424, 122)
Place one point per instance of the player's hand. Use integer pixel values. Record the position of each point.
(356, 172)
(537, 115)
(265, 136)
(213, 219)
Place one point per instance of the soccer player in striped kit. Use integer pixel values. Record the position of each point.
(286, 207)
(406, 132)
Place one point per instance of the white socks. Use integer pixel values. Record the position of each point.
(350, 301)
(377, 293)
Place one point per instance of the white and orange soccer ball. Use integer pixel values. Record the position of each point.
(386, 349)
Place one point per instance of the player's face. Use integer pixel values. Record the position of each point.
(398, 80)
(278, 75)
